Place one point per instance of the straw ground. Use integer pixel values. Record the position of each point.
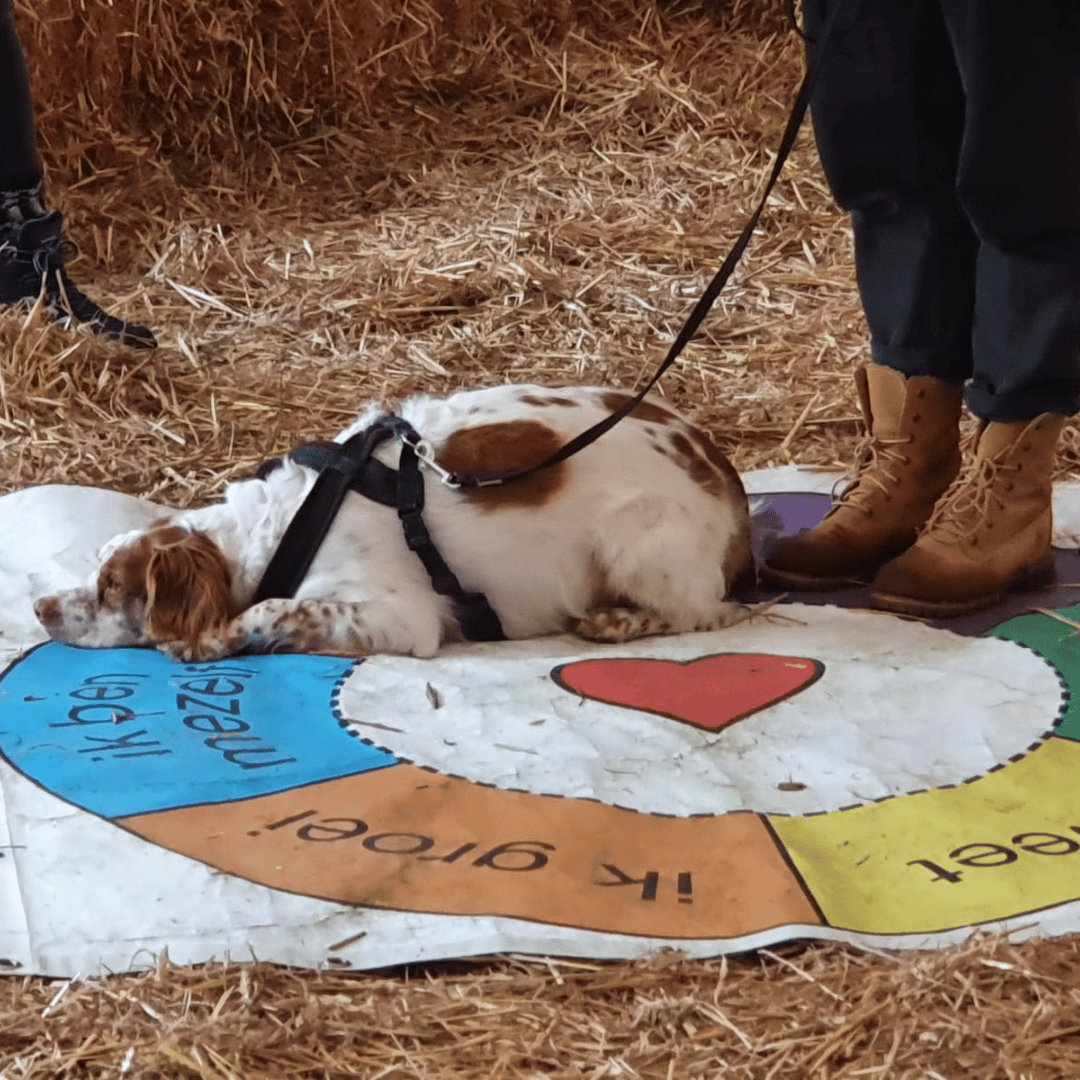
(316, 204)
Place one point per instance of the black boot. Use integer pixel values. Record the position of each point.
(32, 253)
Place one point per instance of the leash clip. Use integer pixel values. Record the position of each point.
(425, 452)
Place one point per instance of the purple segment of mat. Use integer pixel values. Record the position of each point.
(785, 513)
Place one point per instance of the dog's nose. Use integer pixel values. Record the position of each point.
(47, 609)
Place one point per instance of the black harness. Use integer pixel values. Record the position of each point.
(352, 466)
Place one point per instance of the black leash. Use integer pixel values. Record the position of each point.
(700, 309)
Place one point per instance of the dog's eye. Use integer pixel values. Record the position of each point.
(106, 584)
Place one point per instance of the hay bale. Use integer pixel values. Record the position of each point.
(194, 83)
(122, 84)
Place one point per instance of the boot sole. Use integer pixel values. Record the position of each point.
(789, 579)
(1026, 580)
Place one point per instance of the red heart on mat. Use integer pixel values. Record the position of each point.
(709, 692)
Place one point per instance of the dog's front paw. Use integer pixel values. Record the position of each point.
(203, 648)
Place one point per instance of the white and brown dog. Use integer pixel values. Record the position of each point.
(645, 531)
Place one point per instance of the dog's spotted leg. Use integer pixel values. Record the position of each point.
(333, 627)
(616, 624)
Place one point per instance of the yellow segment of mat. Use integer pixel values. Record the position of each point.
(1001, 846)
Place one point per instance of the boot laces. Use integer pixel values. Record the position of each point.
(972, 496)
(38, 243)
(53, 255)
(875, 460)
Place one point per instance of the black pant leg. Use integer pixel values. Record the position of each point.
(888, 118)
(20, 166)
(1018, 180)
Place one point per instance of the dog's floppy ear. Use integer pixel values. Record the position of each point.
(187, 589)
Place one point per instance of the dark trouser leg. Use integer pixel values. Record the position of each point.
(950, 129)
(888, 118)
(20, 168)
(1018, 180)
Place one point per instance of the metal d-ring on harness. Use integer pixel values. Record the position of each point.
(351, 465)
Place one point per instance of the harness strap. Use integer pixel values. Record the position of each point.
(474, 614)
(351, 466)
(374, 479)
(305, 533)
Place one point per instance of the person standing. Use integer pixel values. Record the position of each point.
(950, 131)
(32, 244)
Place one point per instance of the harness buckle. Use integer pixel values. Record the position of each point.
(425, 453)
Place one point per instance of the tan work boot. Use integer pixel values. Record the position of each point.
(991, 532)
(907, 460)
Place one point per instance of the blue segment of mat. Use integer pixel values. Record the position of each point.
(129, 731)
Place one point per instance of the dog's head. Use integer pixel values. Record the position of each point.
(167, 584)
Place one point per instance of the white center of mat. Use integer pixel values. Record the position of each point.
(900, 707)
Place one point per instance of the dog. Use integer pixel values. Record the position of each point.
(646, 531)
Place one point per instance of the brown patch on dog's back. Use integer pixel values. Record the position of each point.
(614, 400)
(719, 460)
(706, 465)
(543, 402)
(504, 447)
